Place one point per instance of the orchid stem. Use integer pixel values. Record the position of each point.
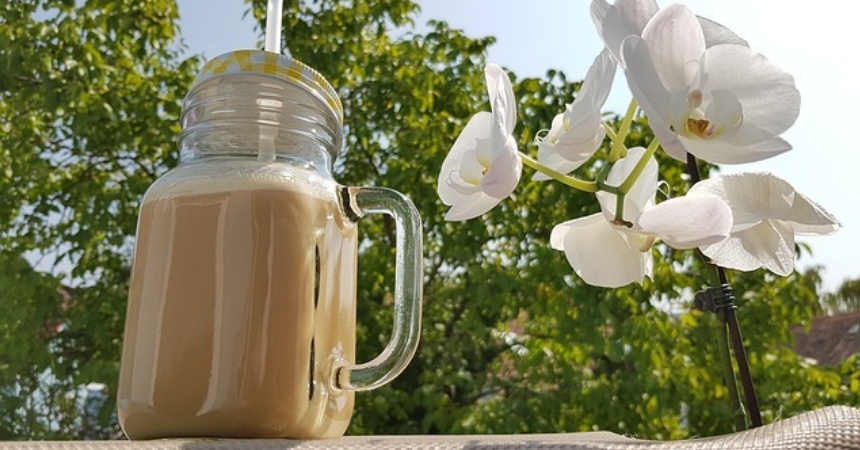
(576, 183)
(622, 190)
(610, 132)
(731, 325)
(640, 167)
(618, 150)
(734, 328)
(729, 375)
(619, 211)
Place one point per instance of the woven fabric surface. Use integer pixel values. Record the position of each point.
(831, 428)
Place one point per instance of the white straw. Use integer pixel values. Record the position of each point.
(274, 13)
(267, 144)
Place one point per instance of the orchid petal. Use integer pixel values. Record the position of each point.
(679, 111)
(597, 83)
(501, 95)
(767, 212)
(750, 206)
(582, 139)
(557, 127)
(725, 113)
(471, 171)
(549, 156)
(754, 197)
(721, 152)
(625, 18)
(483, 166)
(643, 79)
(669, 141)
(716, 34)
(566, 137)
(675, 40)
(688, 222)
(471, 206)
(599, 254)
(771, 102)
(578, 132)
(489, 149)
(649, 92)
(504, 173)
(769, 244)
(466, 144)
(684, 73)
(582, 130)
(636, 13)
(722, 117)
(599, 9)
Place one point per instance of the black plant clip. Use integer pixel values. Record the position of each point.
(716, 299)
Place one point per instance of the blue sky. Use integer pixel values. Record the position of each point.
(814, 43)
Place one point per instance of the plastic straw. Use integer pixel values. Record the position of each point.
(274, 12)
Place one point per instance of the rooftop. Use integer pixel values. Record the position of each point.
(831, 339)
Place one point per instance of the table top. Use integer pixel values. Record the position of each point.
(833, 427)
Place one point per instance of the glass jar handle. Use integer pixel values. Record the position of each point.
(408, 274)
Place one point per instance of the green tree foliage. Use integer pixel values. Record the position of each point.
(89, 103)
(845, 299)
(36, 307)
(512, 340)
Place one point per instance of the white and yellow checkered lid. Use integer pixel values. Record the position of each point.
(273, 64)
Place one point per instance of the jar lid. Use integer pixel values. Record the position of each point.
(272, 64)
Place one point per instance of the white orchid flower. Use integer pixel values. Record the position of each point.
(610, 255)
(621, 19)
(484, 166)
(767, 213)
(626, 18)
(705, 92)
(577, 132)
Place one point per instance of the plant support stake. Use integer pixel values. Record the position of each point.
(720, 300)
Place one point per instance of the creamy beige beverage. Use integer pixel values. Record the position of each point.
(240, 298)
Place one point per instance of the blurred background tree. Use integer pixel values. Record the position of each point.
(513, 341)
(845, 299)
(89, 104)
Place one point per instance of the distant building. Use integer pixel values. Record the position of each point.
(831, 339)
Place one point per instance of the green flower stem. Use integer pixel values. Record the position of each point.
(610, 132)
(576, 183)
(619, 212)
(640, 167)
(603, 174)
(729, 375)
(622, 190)
(618, 150)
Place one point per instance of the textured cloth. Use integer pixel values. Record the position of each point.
(831, 428)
